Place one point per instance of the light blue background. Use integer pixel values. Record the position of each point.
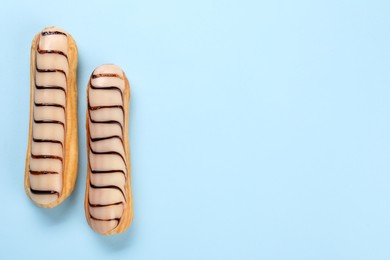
(259, 129)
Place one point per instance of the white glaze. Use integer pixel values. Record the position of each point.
(44, 115)
(104, 219)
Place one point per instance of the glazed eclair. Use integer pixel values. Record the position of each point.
(108, 200)
(52, 152)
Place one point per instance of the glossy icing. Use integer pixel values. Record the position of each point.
(49, 116)
(107, 156)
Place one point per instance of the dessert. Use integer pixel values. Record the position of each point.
(52, 153)
(108, 201)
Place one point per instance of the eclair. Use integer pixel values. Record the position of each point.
(52, 152)
(108, 199)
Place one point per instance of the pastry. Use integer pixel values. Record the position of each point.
(52, 152)
(108, 201)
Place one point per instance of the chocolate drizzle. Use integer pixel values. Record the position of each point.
(50, 71)
(109, 152)
(100, 219)
(104, 205)
(46, 33)
(46, 157)
(44, 192)
(42, 172)
(108, 88)
(47, 141)
(51, 52)
(48, 121)
(50, 87)
(106, 138)
(103, 138)
(111, 75)
(49, 105)
(107, 187)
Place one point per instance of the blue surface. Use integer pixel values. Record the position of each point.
(259, 129)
